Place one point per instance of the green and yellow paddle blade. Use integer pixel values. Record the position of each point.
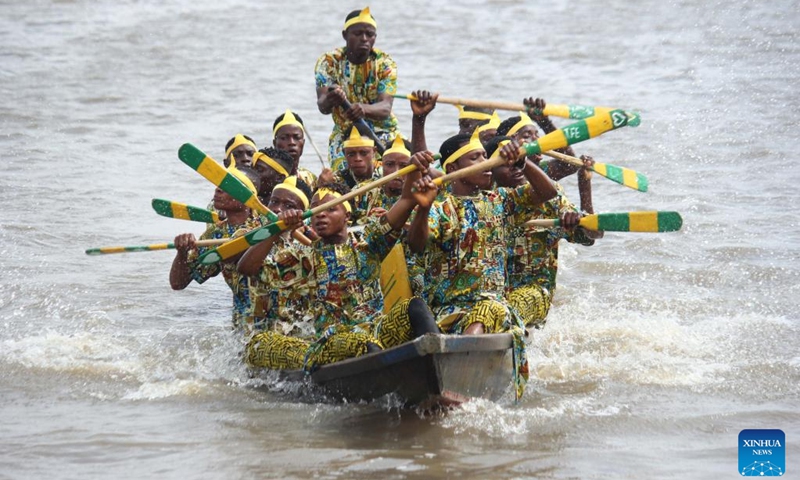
(219, 176)
(646, 221)
(240, 244)
(574, 112)
(604, 121)
(623, 176)
(150, 248)
(181, 211)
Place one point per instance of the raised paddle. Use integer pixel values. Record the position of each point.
(364, 127)
(170, 209)
(649, 221)
(150, 248)
(573, 133)
(621, 175)
(216, 174)
(575, 112)
(240, 244)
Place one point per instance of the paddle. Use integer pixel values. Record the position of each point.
(621, 175)
(308, 136)
(257, 235)
(216, 174)
(181, 211)
(574, 112)
(573, 133)
(150, 248)
(364, 127)
(654, 221)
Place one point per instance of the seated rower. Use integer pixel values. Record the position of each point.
(288, 134)
(361, 156)
(273, 167)
(343, 275)
(378, 201)
(470, 118)
(239, 218)
(532, 260)
(282, 310)
(239, 152)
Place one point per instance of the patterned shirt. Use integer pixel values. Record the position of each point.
(236, 282)
(533, 252)
(465, 258)
(343, 280)
(361, 83)
(280, 303)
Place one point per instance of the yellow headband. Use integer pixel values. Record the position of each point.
(524, 120)
(288, 119)
(494, 122)
(398, 146)
(263, 157)
(323, 192)
(241, 176)
(474, 144)
(356, 140)
(238, 140)
(290, 185)
(363, 17)
(499, 146)
(470, 115)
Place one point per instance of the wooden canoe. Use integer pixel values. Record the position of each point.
(432, 371)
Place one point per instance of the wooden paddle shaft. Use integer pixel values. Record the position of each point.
(212, 242)
(360, 191)
(564, 158)
(517, 107)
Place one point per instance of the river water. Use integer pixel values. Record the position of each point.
(659, 350)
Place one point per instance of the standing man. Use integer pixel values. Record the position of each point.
(361, 75)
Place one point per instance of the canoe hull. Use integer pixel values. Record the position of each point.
(431, 371)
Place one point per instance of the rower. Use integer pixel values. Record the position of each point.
(237, 217)
(378, 201)
(272, 166)
(288, 134)
(532, 261)
(361, 155)
(278, 309)
(470, 118)
(239, 151)
(362, 75)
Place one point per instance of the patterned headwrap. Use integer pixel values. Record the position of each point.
(356, 140)
(524, 120)
(473, 144)
(238, 140)
(470, 115)
(323, 192)
(243, 178)
(363, 17)
(290, 185)
(288, 119)
(494, 122)
(398, 146)
(271, 162)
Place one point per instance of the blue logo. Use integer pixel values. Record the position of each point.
(762, 453)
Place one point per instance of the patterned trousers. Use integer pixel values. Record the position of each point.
(275, 351)
(531, 303)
